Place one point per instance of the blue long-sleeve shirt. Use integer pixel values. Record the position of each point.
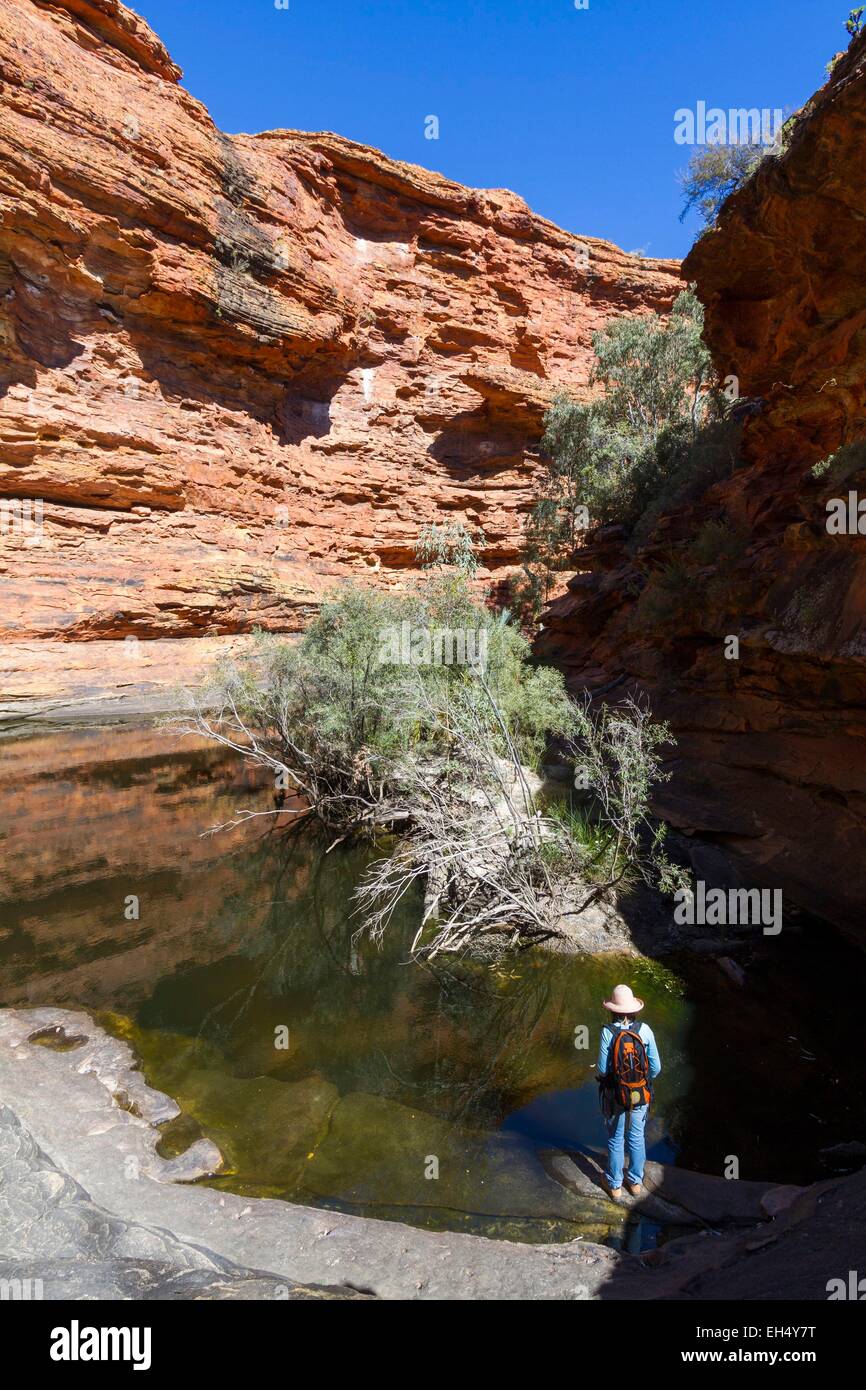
(647, 1037)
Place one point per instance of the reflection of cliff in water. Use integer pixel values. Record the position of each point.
(89, 817)
(469, 1043)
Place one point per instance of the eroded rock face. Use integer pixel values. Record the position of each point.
(783, 275)
(771, 756)
(237, 369)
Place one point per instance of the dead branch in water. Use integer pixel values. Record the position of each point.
(491, 863)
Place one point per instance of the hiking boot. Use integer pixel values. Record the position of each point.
(636, 1189)
(615, 1193)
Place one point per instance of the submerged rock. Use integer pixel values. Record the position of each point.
(280, 1122)
(401, 1156)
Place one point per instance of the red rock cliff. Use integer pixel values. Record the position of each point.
(770, 767)
(237, 368)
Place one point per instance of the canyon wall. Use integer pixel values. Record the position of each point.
(237, 369)
(769, 771)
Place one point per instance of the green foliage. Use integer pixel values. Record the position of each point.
(448, 545)
(530, 589)
(585, 838)
(533, 700)
(838, 467)
(683, 465)
(371, 740)
(594, 464)
(821, 467)
(719, 542)
(495, 865)
(658, 976)
(617, 748)
(655, 429)
(854, 22)
(716, 171)
(667, 597)
(328, 689)
(701, 585)
(654, 370)
(342, 707)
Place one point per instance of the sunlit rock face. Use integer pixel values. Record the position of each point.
(235, 370)
(771, 756)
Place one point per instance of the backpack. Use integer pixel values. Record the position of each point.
(628, 1079)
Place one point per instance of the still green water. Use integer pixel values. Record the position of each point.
(334, 1073)
(329, 1071)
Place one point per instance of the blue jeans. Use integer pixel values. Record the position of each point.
(616, 1127)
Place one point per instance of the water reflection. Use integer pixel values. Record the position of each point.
(423, 1093)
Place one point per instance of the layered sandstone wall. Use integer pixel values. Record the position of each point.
(770, 765)
(236, 369)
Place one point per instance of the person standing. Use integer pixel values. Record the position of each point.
(628, 1063)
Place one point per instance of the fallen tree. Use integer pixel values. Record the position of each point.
(498, 863)
(444, 753)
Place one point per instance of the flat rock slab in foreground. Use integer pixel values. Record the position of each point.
(66, 1247)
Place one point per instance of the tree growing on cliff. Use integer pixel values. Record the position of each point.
(713, 173)
(606, 459)
(450, 546)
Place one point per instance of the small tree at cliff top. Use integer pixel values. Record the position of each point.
(713, 173)
(603, 460)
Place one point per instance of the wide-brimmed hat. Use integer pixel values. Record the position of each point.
(622, 1001)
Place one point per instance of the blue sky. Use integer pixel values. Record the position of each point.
(573, 109)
